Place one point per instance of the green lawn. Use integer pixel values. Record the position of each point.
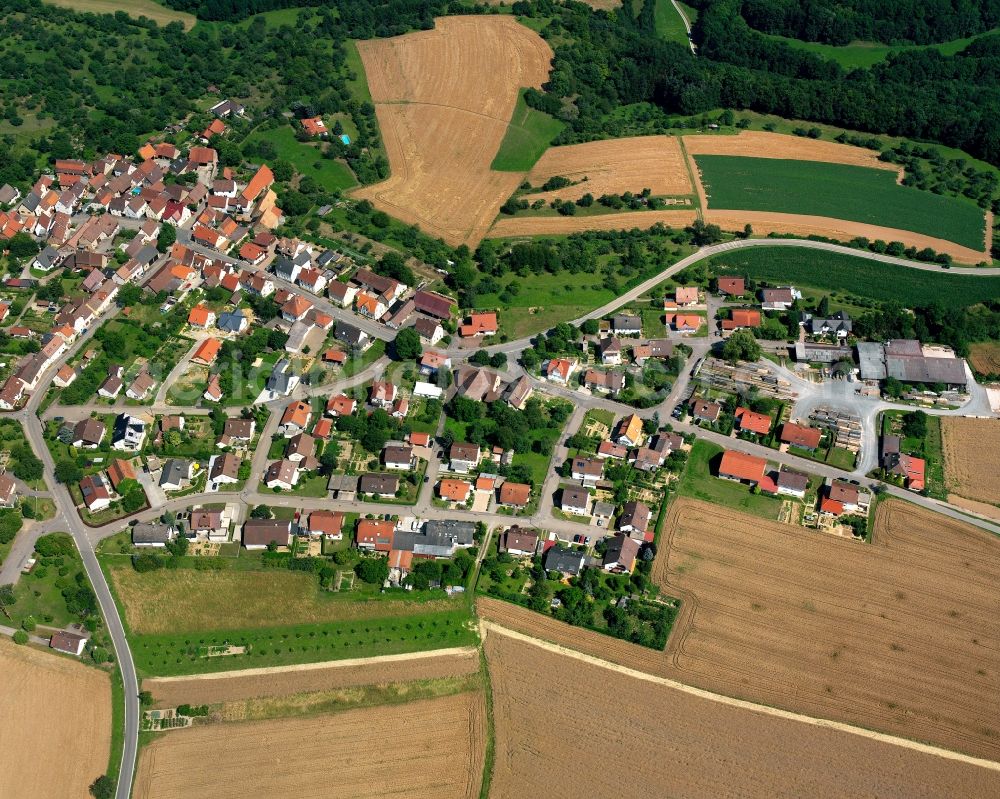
(332, 175)
(860, 277)
(529, 134)
(865, 54)
(839, 191)
(165, 655)
(700, 482)
(668, 23)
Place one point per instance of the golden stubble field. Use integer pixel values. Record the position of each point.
(443, 99)
(901, 636)
(55, 724)
(181, 600)
(985, 357)
(763, 144)
(566, 728)
(970, 457)
(427, 749)
(613, 166)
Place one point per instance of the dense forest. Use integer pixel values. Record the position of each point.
(889, 21)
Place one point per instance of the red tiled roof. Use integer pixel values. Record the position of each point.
(752, 421)
(207, 351)
(742, 466)
(800, 436)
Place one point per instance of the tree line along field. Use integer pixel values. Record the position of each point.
(899, 636)
(838, 191)
(668, 741)
(862, 277)
(426, 749)
(56, 732)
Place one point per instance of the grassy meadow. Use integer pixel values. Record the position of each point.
(529, 134)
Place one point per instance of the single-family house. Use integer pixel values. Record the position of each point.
(575, 500)
(620, 554)
(260, 533)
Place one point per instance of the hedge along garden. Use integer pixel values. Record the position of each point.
(839, 191)
(195, 653)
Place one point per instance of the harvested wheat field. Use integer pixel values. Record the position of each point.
(510, 226)
(761, 144)
(985, 357)
(966, 471)
(56, 729)
(764, 222)
(443, 99)
(656, 740)
(614, 166)
(209, 689)
(603, 5)
(186, 600)
(428, 749)
(901, 636)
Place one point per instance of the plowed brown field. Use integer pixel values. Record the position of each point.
(764, 222)
(761, 144)
(561, 225)
(614, 166)
(429, 749)
(966, 471)
(259, 683)
(901, 636)
(567, 728)
(55, 724)
(443, 99)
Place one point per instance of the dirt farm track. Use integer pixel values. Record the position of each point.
(427, 749)
(55, 724)
(208, 689)
(679, 744)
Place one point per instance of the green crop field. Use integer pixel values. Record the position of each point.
(529, 134)
(858, 276)
(855, 193)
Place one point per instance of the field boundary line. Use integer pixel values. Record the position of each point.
(789, 715)
(325, 664)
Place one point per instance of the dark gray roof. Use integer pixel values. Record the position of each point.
(796, 481)
(378, 484)
(151, 533)
(349, 334)
(283, 267)
(175, 471)
(564, 560)
(230, 321)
